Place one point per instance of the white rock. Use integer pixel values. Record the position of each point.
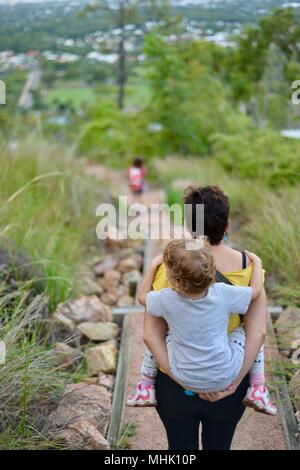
(99, 331)
(102, 358)
(85, 308)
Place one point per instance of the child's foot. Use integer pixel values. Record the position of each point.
(258, 397)
(143, 395)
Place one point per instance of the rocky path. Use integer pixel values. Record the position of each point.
(255, 431)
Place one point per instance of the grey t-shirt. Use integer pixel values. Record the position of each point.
(199, 351)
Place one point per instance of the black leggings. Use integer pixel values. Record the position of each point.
(181, 416)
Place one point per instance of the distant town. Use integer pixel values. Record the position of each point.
(103, 45)
(46, 23)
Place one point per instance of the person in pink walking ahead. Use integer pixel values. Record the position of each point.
(136, 179)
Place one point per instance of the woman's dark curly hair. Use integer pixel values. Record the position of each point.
(216, 211)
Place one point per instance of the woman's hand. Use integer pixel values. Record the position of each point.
(216, 396)
(157, 260)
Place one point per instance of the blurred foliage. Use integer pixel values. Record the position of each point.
(188, 98)
(187, 104)
(246, 64)
(259, 154)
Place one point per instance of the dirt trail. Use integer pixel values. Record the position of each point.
(254, 432)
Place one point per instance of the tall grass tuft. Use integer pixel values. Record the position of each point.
(30, 383)
(274, 233)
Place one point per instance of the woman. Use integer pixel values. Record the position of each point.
(218, 412)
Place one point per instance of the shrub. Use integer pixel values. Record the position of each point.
(259, 154)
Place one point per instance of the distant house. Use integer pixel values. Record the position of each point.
(67, 58)
(106, 58)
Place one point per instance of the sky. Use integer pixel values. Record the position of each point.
(12, 2)
(7, 2)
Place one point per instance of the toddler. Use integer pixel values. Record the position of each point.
(202, 356)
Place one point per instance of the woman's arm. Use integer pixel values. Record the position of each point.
(155, 330)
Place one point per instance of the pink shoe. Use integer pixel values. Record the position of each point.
(258, 397)
(143, 395)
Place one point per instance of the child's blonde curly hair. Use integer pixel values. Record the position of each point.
(190, 271)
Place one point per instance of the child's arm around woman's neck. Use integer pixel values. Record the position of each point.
(256, 282)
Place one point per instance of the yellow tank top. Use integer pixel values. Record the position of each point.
(237, 278)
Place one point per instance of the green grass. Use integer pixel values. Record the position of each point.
(30, 383)
(47, 209)
(274, 231)
(137, 93)
(127, 432)
(77, 96)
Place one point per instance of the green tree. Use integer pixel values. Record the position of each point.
(247, 63)
(128, 11)
(189, 100)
